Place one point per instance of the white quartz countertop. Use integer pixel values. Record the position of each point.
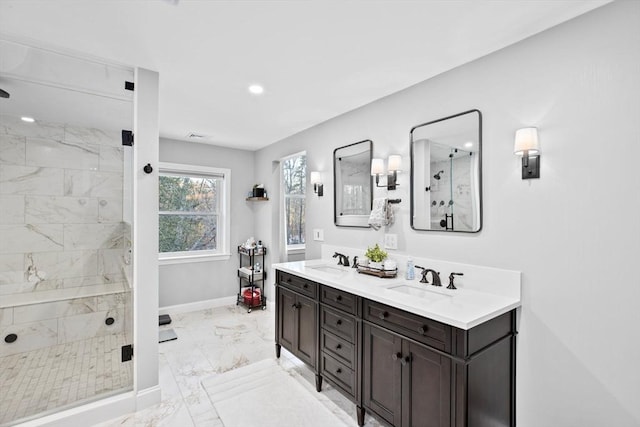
(464, 308)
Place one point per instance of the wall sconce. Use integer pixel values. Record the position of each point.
(316, 180)
(394, 164)
(528, 146)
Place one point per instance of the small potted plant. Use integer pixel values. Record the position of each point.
(376, 257)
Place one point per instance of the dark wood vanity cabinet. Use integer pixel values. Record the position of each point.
(405, 383)
(340, 341)
(405, 369)
(297, 324)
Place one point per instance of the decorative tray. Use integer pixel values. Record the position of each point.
(387, 274)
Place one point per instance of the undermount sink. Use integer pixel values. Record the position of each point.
(327, 269)
(422, 292)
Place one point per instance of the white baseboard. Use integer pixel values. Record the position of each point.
(101, 410)
(148, 397)
(198, 305)
(89, 414)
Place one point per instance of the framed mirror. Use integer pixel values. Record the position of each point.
(446, 174)
(352, 184)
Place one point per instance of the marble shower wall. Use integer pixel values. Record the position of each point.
(62, 235)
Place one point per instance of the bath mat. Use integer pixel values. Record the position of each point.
(265, 394)
(167, 335)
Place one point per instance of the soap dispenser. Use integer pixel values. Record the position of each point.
(411, 272)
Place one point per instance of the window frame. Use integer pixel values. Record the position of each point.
(296, 248)
(223, 251)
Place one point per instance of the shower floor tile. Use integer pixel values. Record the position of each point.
(41, 380)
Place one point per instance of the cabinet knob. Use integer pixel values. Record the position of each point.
(288, 279)
(339, 298)
(338, 347)
(383, 315)
(294, 306)
(306, 285)
(338, 371)
(338, 322)
(423, 329)
(396, 356)
(405, 361)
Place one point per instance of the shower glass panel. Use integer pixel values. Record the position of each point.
(65, 231)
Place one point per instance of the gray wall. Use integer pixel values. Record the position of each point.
(199, 281)
(574, 233)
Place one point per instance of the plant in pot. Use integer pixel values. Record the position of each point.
(376, 257)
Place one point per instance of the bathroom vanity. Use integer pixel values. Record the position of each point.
(406, 354)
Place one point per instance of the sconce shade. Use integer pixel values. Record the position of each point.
(315, 178)
(394, 163)
(377, 167)
(526, 141)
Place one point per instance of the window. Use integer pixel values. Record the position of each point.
(294, 182)
(193, 209)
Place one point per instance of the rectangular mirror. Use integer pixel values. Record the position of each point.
(352, 184)
(446, 174)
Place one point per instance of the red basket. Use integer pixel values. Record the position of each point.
(257, 297)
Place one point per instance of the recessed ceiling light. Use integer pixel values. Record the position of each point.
(256, 89)
(28, 119)
(468, 144)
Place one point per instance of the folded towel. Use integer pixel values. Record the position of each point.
(379, 213)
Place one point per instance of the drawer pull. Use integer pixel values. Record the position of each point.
(405, 360)
(338, 347)
(338, 371)
(383, 315)
(423, 329)
(306, 285)
(288, 279)
(338, 322)
(396, 356)
(296, 306)
(339, 298)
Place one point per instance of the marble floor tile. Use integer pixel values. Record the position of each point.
(209, 343)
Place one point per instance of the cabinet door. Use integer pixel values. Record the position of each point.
(287, 314)
(382, 373)
(426, 387)
(307, 333)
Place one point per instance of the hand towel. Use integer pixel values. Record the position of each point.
(378, 217)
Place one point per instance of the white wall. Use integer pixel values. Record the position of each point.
(200, 281)
(574, 233)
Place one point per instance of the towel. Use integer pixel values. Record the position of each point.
(379, 213)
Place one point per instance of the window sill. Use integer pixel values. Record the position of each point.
(192, 258)
(296, 250)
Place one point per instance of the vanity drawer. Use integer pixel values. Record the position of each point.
(338, 299)
(340, 324)
(339, 348)
(338, 373)
(421, 329)
(298, 284)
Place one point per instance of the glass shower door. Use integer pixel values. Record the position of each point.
(65, 231)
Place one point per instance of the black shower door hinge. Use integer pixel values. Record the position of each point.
(127, 352)
(129, 86)
(127, 138)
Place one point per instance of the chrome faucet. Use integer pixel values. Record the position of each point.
(342, 259)
(435, 276)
